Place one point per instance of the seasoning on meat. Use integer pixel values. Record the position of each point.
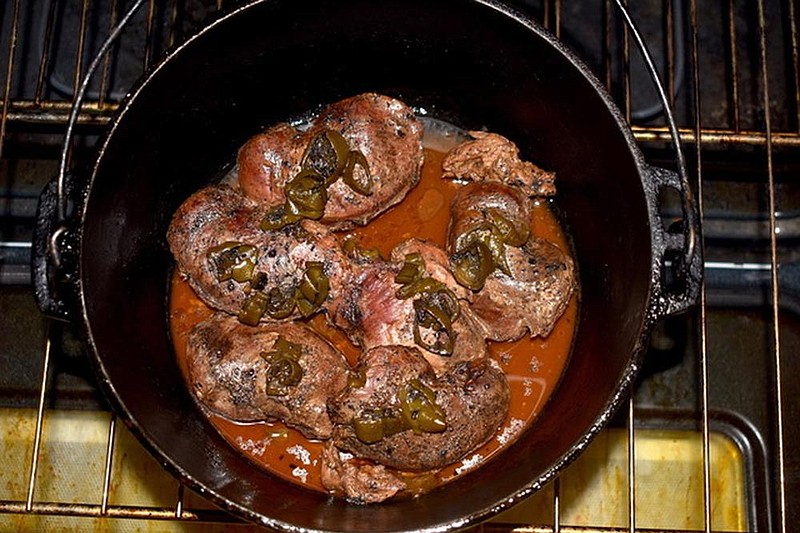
(383, 161)
(426, 313)
(357, 480)
(486, 217)
(453, 413)
(295, 271)
(492, 157)
(250, 374)
(518, 284)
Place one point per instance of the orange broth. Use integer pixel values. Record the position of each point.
(533, 366)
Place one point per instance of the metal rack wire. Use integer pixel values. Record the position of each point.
(737, 128)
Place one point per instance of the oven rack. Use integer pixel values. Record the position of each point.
(724, 98)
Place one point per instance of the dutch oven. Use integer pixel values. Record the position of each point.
(476, 64)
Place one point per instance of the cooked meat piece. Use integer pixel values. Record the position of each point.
(478, 204)
(217, 215)
(383, 129)
(355, 479)
(492, 157)
(208, 218)
(473, 395)
(270, 159)
(437, 264)
(372, 314)
(233, 371)
(532, 298)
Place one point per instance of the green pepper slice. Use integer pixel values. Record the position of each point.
(278, 217)
(432, 317)
(372, 425)
(233, 260)
(306, 195)
(510, 233)
(254, 307)
(364, 184)
(472, 265)
(313, 289)
(284, 369)
(327, 154)
(419, 408)
(358, 254)
(412, 270)
(279, 304)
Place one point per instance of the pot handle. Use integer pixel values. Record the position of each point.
(677, 259)
(54, 256)
(677, 255)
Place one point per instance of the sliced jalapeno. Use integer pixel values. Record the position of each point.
(306, 195)
(313, 289)
(284, 370)
(439, 321)
(472, 265)
(287, 349)
(327, 155)
(511, 234)
(412, 270)
(419, 408)
(372, 425)
(233, 260)
(357, 378)
(358, 254)
(360, 182)
(254, 307)
(278, 217)
(280, 305)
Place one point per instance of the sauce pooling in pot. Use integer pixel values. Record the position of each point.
(533, 366)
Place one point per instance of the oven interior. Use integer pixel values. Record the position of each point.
(704, 443)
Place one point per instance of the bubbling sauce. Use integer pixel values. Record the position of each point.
(533, 366)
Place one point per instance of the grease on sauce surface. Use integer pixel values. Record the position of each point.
(533, 366)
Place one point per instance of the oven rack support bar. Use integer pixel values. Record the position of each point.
(56, 113)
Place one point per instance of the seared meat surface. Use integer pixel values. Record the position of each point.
(383, 129)
(217, 215)
(532, 298)
(232, 373)
(525, 283)
(373, 315)
(356, 479)
(473, 395)
(270, 159)
(492, 157)
(478, 204)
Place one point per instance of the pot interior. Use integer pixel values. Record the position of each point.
(467, 62)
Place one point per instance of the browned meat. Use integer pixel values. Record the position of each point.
(219, 214)
(385, 130)
(357, 480)
(229, 370)
(474, 396)
(372, 314)
(492, 157)
(270, 159)
(532, 298)
(477, 204)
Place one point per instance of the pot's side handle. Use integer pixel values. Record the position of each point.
(677, 269)
(53, 265)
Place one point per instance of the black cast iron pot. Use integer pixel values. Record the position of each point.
(475, 64)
